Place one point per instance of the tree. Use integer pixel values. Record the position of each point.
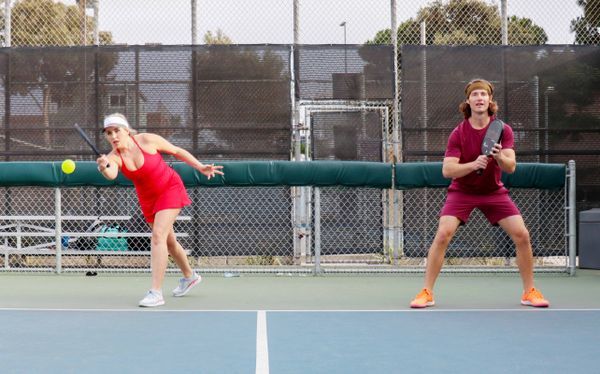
(218, 38)
(49, 23)
(459, 22)
(242, 90)
(586, 27)
(54, 73)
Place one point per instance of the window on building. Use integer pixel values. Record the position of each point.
(117, 100)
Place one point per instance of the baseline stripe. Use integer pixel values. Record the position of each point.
(426, 310)
(262, 344)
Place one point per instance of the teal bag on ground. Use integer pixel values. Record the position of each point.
(111, 243)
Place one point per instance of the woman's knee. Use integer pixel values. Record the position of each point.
(172, 243)
(159, 238)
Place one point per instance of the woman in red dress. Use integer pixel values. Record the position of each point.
(161, 194)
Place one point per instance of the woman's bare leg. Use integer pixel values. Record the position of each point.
(162, 226)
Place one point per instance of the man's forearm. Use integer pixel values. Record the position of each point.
(453, 169)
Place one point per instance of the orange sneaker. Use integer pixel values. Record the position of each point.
(423, 299)
(534, 297)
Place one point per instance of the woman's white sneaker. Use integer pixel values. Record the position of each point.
(186, 284)
(152, 298)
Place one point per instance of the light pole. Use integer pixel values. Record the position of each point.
(549, 91)
(343, 24)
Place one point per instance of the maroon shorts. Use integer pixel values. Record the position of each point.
(495, 206)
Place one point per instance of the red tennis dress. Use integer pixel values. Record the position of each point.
(158, 186)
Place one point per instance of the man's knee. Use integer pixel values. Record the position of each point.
(444, 235)
(521, 236)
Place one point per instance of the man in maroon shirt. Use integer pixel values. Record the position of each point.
(484, 190)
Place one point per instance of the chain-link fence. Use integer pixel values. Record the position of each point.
(546, 93)
(271, 229)
(102, 228)
(231, 97)
(479, 245)
(449, 22)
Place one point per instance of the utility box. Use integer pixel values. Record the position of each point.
(589, 239)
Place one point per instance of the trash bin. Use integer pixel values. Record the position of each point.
(589, 239)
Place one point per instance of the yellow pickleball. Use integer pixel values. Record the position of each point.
(68, 166)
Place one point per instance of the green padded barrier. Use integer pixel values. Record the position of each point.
(314, 173)
(335, 173)
(86, 174)
(534, 175)
(242, 173)
(420, 174)
(282, 173)
(49, 174)
(28, 174)
(527, 175)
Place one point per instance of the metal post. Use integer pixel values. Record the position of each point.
(194, 29)
(296, 125)
(317, 269)
(96, 23)
(396, 103)
(547, 92)
(7, 23)
(58, 229)
(424, 87)
(396, 156)
(83, 26)
(343, 24)
(504, 21)
(296, 21)
(504, 29)
(7, 111)
(296, 194)
(137, 89)
(536, 113)
(572, 233)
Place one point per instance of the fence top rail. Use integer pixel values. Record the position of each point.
(282, 173)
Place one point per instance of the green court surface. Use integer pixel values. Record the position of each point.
(331, 292)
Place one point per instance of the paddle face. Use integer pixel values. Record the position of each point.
(492, 136)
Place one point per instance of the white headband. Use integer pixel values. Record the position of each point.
(115, 121)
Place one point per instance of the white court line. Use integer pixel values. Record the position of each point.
(426, 310)
(262, 344)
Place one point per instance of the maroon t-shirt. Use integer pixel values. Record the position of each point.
(465, 144)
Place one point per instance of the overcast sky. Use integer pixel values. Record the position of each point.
(271, 21)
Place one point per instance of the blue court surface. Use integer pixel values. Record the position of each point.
(390, 341)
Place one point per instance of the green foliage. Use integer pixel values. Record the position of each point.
(45, 22)
(218, 37)
(586, 27)
(255, 72)
(591, 11)
(522, 31)
(463, 22)
(54, 73)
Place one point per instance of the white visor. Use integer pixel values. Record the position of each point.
(111, 121)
